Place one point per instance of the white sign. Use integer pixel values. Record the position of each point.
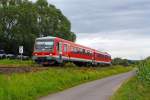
(21, 49)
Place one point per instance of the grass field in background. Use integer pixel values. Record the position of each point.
(30, 86)
(137, 88)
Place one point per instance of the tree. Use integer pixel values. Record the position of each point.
(52, 22)
(21, 21)
(148, 58)
(119, 61)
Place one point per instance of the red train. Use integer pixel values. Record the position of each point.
(51, 50)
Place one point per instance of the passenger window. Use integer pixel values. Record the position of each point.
(90, 52)
(80, 50)
(86, 52)
(83, 51)
(71, 49)
(75, 50)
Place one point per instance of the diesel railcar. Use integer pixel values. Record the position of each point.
(51, 50)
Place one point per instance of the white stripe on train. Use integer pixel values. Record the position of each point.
(80, 59)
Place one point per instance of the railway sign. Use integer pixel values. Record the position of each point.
(21, 49)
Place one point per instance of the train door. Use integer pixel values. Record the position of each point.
(59, 50)
(65, 50)
(93, 58)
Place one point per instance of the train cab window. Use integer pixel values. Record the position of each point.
(44, 45)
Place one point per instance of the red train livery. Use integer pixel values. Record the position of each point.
(50, 50)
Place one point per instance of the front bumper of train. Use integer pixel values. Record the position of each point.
(42, 60)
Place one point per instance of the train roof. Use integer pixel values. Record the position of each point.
(104, 53)
(48, 37)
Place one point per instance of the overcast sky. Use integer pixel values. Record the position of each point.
(120, 27)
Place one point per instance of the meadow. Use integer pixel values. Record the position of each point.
(30, 86)
(138, 87)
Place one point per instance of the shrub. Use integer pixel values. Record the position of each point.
(69, 65)
(143, 72)
(120, 61)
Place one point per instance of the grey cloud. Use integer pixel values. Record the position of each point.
(91, 16)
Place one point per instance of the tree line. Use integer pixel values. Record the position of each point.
(123, 62)
(21, 21)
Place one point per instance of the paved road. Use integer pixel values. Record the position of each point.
(97, 90)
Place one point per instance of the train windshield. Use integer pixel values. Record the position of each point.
(44, 45)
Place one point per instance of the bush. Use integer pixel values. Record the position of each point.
(119, 61)
(143, 72)
(69, 65)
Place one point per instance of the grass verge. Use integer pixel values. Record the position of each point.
(17, 63)
(30, 86)
(132, 90)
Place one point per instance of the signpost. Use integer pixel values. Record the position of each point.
(21, 51)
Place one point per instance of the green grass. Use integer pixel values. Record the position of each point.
(30, 86)
(132, 90)
(137, 88)
(16, 63)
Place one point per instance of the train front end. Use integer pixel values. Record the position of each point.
(44, 52)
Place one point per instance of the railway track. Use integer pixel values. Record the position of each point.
(11, 70)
